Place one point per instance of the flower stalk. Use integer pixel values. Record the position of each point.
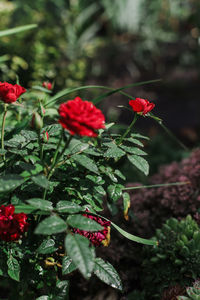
(128, 130)
(3, 129)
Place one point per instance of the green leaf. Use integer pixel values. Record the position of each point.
(89, 199)
(68, 207)
(133, 150)
(27, 209)
(62, 290)
(77, 146)
(115, 191)
(106, 272)
(86, 162)
(13, 268)
(40, 204)
(10, 182)
(45, 297)
(83, 223)
(51, 225)
(41, 180)
(126, 204)
(29, 135)
(67, 265)
(119, 174)
(134, 141)
(134, 238)
(109, 172)
(82, 255)
(140, 163)
(100, 190)
(113, 151)
(47, 246)
(93, 152)
(140, 136)
(17, 29)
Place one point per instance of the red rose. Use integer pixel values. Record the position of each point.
(81, 117)
(47, 85)
(11, 225)
(10, 93)
(142, 106)
(99, 237)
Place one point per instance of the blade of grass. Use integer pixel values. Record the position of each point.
(156, 185)
(98, 99)
(17, 29)
(135, 238)
(68, 91)
(130, 236)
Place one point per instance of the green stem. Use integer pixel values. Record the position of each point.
(54, 162)
(40, 145)
(3, 129)
(159, 121)
(128, 129)
(156, 185)
(56, 159)
(173, 136)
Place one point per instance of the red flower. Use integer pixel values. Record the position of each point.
(47, 85)
(81, 117)
(141, 106)
(99, 237)
(9, 93)
(11, 225)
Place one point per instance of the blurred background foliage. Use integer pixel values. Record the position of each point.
(114, 43)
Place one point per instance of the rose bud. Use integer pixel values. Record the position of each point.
(47, 85)
(36, 121)
(141, 106)
(45, 136)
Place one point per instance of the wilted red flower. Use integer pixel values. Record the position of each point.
(141, 106)
(47, 85)
(81, 117)
(98, 237)
(9, 93)
(11, 225)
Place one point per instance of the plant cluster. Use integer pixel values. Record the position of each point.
(193, 293)
(175, 261)
(53, 181)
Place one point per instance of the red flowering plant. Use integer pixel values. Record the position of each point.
(58, 170)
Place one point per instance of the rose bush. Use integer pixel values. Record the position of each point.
(60, 174)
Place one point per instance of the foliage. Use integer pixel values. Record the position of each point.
(193, 292)
(71, 32)
(56, 176)
(176, 258)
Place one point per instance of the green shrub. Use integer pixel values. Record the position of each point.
(192, 292)
(175, 260)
